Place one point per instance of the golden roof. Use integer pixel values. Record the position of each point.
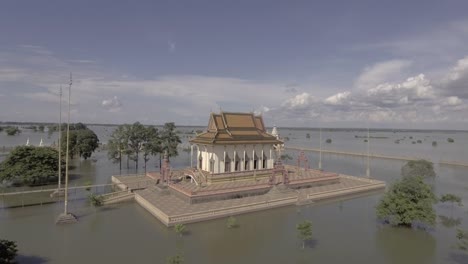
(235, 128)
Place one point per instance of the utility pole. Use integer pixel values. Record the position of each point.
(67, 217)
(320, 153)
(368, 154)
(59, 191)
(60, 143)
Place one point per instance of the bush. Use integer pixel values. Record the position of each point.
(434, 143)
(450, 140)
(96, 200)
(328, 141)
(8, 251)
(231, 222)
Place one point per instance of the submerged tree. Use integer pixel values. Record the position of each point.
(180, 229)
(96, 200)
(231, 222)
(462, 236)
(135, 141)
(8, 251)
(83, 141)
(30, 166)
(169, 141)
(151, 143)
(407, 202)
(304, 232)
(418, 168)
(11, 131)
(117, 145)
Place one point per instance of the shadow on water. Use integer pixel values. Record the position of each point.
(449, 222)
(312, 243)
(23, 259)
(405, 245)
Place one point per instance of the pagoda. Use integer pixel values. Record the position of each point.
(234, 142)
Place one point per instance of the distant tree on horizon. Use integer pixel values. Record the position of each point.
(418, 168)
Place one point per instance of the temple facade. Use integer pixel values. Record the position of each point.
(234, 142)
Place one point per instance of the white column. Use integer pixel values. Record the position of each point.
(271, 159)
(191, 156)
(224, 159)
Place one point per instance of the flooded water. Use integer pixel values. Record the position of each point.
(343, 231)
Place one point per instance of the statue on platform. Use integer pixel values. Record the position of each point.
(166, 169)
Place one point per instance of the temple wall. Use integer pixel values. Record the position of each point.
(217, 152)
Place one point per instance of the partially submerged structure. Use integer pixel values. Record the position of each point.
(237, 170)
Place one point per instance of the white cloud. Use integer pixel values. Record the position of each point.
(113, 104)
(452, 101)
(299, 101)
(456, 81)
(381, 72)
(339, 98)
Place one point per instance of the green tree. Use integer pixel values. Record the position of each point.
(169, 141)
(407, 202)
(30, 165)
(11, 131)
(231, 222)
(40, 128)
(8, 251)
(450, 140)
(87, 143)
(83, 142)
(304, 232)
(136, 135)
(118, 145)
(418, 168)
(328, 140)
(462, 236)
(180, 229)
(151, 143)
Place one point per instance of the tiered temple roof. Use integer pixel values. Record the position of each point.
(235, 128)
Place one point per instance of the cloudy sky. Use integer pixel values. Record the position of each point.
(393, 64)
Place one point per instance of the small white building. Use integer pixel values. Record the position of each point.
(234, 142)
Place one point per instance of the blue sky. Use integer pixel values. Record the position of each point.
(299, 63)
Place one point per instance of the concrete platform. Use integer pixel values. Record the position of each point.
(171, 209)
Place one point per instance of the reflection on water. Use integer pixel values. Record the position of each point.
(343, 231)
(404, 245)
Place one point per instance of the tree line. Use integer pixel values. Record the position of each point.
(132, 141)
